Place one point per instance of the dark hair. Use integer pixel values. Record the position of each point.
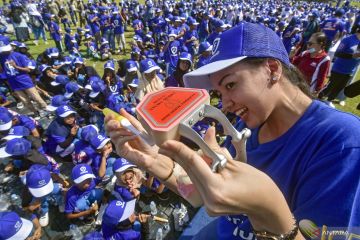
(320, 38)
(291, 73)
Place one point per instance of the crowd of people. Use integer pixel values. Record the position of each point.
(172, 43)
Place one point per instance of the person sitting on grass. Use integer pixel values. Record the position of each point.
(83, 197)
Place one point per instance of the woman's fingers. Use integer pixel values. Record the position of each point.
(197, 169)
(132, 119)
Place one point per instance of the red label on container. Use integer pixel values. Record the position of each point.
(170, 106)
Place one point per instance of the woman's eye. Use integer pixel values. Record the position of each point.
(229, 86)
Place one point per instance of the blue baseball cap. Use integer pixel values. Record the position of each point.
(205, 46)
(110, 65)
(104, 41)
(148, 65)
(121, 164)
(14, 227)
(88, 132)
(17, 132)
(247, 40)
(5, 44)
(5, 121)
(78, 60)
(134, 83)
(38, 180)
(15, 147)
(23, 45)
(96, 87)
(131, 66)
(185, 56)
(44, 67)
(60, 80)
(71, 88)
(99, 141)
(92, 79)
(118, 211)
(56, 101)
(81, 172)
(64, 111)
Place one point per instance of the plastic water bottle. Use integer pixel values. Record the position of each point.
(15, 199)
(153, 208)
(159, 234)
(75, 232)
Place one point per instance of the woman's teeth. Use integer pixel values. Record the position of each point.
(241, 111)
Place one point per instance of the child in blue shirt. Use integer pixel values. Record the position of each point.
(101, 160)
(83, 151)
(83, 198)
(129, 179)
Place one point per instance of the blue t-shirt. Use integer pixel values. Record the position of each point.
(95, 26)
(17, 79)
(203, 61)
(315, 164)
(25, 121)
(118, 24)
(122, 193)
(347, 66)
(73, 195)
(83, 152)
(331, 26)
(56, 133)
(110, 233)
(54, 31)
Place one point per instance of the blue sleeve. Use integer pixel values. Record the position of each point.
(70, 204)
(95, 164)
(328, 184)
(343, 46)
(27, 122)
(58, 139)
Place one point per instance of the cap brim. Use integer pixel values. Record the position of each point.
(133, 85)
(132, 69)
(6, 126)
(152, 69)
(3, 153)
(200, 77)
(88, 87)
(10, 137)
(6, 48)
(186, 59)
(53, 83)
(43, 191)
(123, 168)
(68, 95)
(103, 143)
(83, 178)
(129, 210)
(65, 114)
(50, 108)
(93, 94)
(25, 230)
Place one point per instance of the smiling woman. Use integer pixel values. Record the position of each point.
(300, 155)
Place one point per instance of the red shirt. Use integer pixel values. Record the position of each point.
(307, 66)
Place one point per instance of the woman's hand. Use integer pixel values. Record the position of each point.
(237, 189)
(129, 146)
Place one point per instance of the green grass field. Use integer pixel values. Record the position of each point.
(350, 106)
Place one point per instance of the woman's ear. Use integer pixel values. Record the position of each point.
(275, 69)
